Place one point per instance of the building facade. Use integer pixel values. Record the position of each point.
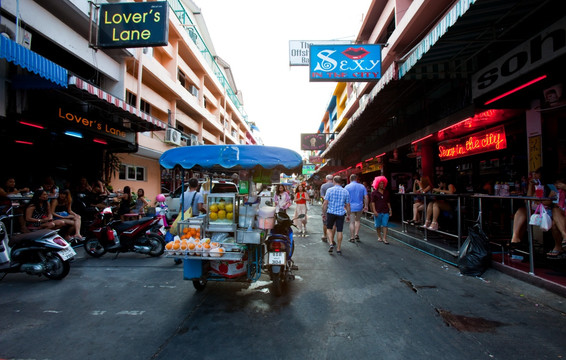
(72, 109)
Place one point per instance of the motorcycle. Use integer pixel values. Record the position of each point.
(41, 252)
(280, 248)
(110, 235)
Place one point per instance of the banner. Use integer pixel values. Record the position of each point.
(480, 142)
(345, 62)
(141, 24)
(313, 142)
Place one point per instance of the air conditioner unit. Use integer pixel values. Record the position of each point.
(193, 90)
(193, 140)
(173, 136)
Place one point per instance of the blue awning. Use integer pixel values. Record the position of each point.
(33, 62)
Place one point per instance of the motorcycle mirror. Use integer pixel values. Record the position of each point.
(107, 211)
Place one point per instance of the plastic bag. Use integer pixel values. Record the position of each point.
(545, 221)
(175, 227)
(475, 255)
(536, 218)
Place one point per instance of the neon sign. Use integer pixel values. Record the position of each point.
(484, 141)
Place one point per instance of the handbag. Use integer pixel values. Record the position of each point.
(187, 214)
(536, 218)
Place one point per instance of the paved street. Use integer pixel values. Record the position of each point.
(375, 302)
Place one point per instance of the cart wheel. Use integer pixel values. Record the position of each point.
(199, 284)
(277, 285)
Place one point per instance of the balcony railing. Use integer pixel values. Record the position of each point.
(183, 16)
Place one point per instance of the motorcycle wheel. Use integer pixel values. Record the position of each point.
(277, 285)
(94, 248)
(199, 284)
(56, 268)
(157, 243)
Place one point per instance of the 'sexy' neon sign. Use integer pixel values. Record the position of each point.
(484, 141)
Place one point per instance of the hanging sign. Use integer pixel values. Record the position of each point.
(310, 142)
(345, 62)
(484, 141)
(133, 24)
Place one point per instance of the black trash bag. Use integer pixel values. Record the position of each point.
(475, 255)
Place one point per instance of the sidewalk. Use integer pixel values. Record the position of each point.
(415, 240)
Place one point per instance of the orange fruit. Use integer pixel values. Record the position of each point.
(186, 230)
(192, 246)
(176, 246)
(169, 245)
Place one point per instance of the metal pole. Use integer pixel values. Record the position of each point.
(403, 225)
(459, 222)
(530, 233)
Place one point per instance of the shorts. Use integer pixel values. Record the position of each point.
(62, 213)
(333, 219)
(356, 215)
(382, 219)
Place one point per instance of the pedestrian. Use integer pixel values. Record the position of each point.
(336, 207)
(301, 198)
(381, 208)
(282, 199)
(311, 194)
(327, 185)
(358, 204)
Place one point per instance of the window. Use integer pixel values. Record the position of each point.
(182, 79)
(145, 107)
(130, 172)
(130, 98)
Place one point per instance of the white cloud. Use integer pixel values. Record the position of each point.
(253, 37)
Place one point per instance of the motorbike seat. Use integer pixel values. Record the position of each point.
(278, 237)
(121, 226)
(34, 235)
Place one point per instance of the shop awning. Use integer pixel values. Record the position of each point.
(33, 62)
(140, 120)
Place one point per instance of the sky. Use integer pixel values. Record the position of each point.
(253, 37)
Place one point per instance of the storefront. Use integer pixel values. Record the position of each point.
(55, 124)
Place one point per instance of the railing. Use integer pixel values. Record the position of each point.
(183, 16)
(458, 197)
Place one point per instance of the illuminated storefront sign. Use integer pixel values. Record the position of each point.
(308, 169)
(315, 159)
(310, 142)
(484, 141)
(132, 24)
(95, 126)
(345, 62)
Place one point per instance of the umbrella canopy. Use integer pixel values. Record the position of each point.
(232, 157)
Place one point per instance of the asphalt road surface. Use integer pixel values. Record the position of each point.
(376, 301)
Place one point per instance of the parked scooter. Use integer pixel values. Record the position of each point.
(280, 248)
(110, 235)
(41, 252)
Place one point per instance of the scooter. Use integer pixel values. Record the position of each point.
(41, 252)
(110, 235)
(280, 248)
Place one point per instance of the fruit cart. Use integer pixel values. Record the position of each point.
(227, 244)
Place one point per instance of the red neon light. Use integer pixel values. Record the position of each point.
(380, 155)
(359, 165)
(100, 141)
(370, 159)
(31, 124)
(484, 141)
(421, 139)
(23, 142)
(516, 89)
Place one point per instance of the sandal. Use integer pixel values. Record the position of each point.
(352, 240)
(554, 253)
(357, 238)
(331, 249)
(339, 252)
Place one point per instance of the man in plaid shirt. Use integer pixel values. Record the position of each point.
(336, 206)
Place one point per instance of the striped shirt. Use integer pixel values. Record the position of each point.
(337, 198)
